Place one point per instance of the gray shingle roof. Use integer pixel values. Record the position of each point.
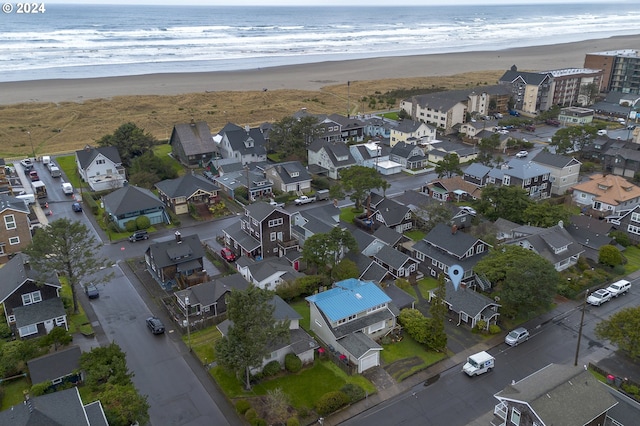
(392, 257)
(171, 252)
(54, 365)
(16, 271)
(130, 199)
(246, 143)
(37, 313)
(392, 212)
(208, 293)
(195, 138)
(59, 408)
(457, 243)
(556, 161)
(533, 78)
(260, 210)
(358, 344)
(286, 170)
(388, 236)
(88, 154)
(466, 300)
(186, 186)
(8, 202)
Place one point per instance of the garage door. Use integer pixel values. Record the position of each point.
(368, 362)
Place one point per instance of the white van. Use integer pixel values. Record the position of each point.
(479, 363)
(46, 159)
(28, 198)
(67, 188)
(55, 171)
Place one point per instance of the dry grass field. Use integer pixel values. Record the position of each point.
(65, 127)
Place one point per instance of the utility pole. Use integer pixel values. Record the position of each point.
(348, 99)
(584, 307)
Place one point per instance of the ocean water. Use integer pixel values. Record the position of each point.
(79, 41)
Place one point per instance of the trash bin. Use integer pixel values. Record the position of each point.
(618, 381)
(610, 379)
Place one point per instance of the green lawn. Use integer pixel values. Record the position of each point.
(78, 323)
(391, 115)
(415, 234)
(408, 349)
(348, 213)
(13, 392)
(68, 165)
(632, 254)
(163, 151)
(427, 284)
(203, 343)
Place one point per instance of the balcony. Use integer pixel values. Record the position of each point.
(501, 410)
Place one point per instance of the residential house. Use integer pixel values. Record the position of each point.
(473, 129)
(628, 221)
(378, 127)
(412, 132)
(101, 167)
(247, 145)
(328, 158)
(256, 184)
(477, 174)
(349, 317)
(209, 299)
(192, 143)
(267, 273)
(291, 176)
(564, 171)
(445, 246)
(297, 341)
(15, 235)
(369, 154)
(131, 202)
(399, 264)
(390, 236)
(469, 306)
(591, 234)
(554, 395)
(64, 407)
(190, 189)
(316, 220)
(554, 244)
(31, 303)
(446, 110)
(368, 245)
(455, 188)
(605, 195)
(172, 262)
(410, 156)
(439, 150)
(530, 91)
(368, 269)
(61, 366)
(622, 158)
(351, 128)
(531, 177)
(262, 231)
(393, 215)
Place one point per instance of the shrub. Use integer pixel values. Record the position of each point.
(131, 226)
(242, 406)
(258, 422)
(631, 389)
(293, 421)
(621, 238)
(271, 369)
(494, 329)
(40, 388)
(250, 415)
(330, 402)
(143, 222)
(481, 325)
(292, 363)
(353, 391)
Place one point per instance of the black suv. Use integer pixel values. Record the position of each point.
(155, 325)
(139, 236)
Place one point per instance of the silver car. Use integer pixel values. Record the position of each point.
(517, 336)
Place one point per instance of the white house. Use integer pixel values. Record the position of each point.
(101, 167)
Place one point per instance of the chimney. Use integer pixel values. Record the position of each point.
(454, 229)
(178, 237)
(561, 224)
(247, 128)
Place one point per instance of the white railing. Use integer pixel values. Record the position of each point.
(501, 410)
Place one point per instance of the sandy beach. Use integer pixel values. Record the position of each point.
(312, 76)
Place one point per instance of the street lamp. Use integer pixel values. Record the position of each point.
(188, 306)
(33, 151)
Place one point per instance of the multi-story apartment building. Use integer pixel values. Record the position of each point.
(621, 69)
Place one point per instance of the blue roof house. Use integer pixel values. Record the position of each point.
(349, 318)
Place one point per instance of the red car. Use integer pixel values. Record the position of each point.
(227, 254)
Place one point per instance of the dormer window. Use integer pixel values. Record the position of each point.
(602, 187)
(295, 174)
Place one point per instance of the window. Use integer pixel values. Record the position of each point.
(100, 162)
(10, 221)
(28, 330)
(29, 298)
(376, 327)
(273, 236)
(14, 240)
(275, 222)
(515, 417)
(635, 217)
(633, 229)
(480, 249)
(60, 321)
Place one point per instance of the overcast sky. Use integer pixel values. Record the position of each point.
(322, 2)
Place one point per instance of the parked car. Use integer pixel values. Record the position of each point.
(227, 254)
(155, 325)
(468, 209)
(91, 291)
(522, 154)
(67, 188)
(598, 297)
(619, 287)
(77, 207)
(139, 236)
(517, 336)
(26, 163)
(33, 175)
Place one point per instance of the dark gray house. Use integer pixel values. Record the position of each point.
(470, 306)
(192, 144)
(171, 261)
(57, 367)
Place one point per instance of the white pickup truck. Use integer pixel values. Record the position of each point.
(304, 200)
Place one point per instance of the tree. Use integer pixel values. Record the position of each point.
(123, 405)
(524, 280)
(148, 169)
(359, 181)
(67, 247)
(438, 311)
(345, 269)
(545, 214)
(433, 214)
(57, 337)
(105, 364)
(449, 166)
(507, 202)
(416, 324)
(276, 405)
(623, 330)
(130, 140)
(253, 328)
(291, 136)
(326, 250)
(610, 255)
(589, 92)
(574, 138)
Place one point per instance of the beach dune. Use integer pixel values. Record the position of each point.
(312, 76)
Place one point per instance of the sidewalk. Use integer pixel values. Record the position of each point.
(432, 373)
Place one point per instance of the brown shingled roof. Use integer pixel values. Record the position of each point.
(609, 189)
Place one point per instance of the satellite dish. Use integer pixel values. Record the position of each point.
(497, 298)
